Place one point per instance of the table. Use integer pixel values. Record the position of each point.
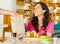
(1, 28)
(24, 41)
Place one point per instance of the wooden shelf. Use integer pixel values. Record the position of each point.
(19, 0)
(58, 4)
(50, 1)
(58, 1)
(20, 3)
(20, 11)
(44, 1)
(51, 6)
(31, 8)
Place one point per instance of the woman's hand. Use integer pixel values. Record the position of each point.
(49, 35)
(28, 33)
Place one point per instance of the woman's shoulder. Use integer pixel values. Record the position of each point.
(30, 22)
(50, 27)
(30, 27)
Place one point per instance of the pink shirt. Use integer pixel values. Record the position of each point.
(49, 28)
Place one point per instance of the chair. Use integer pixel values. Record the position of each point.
(57, 30)
(7, 20)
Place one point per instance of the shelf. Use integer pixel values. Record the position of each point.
(50, 1)
(19, 0)
(58, 14)
(26, 2)
(20, 11)
(51, 8)
(51, 5)
(58, 4)
(44, 1)
(31, 8)
(20, 3)
(58, 1)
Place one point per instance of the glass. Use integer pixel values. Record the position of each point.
(14, 34)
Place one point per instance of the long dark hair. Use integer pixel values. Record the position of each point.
(45, 19)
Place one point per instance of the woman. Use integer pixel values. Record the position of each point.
(41, 22)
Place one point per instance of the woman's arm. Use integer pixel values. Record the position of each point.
(50, 29)
(4, 12)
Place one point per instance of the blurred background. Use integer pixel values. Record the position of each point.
(25, 8)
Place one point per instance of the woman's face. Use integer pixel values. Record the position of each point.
(38, 11)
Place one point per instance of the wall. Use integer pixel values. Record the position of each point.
(1, 22)
(8, 4)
